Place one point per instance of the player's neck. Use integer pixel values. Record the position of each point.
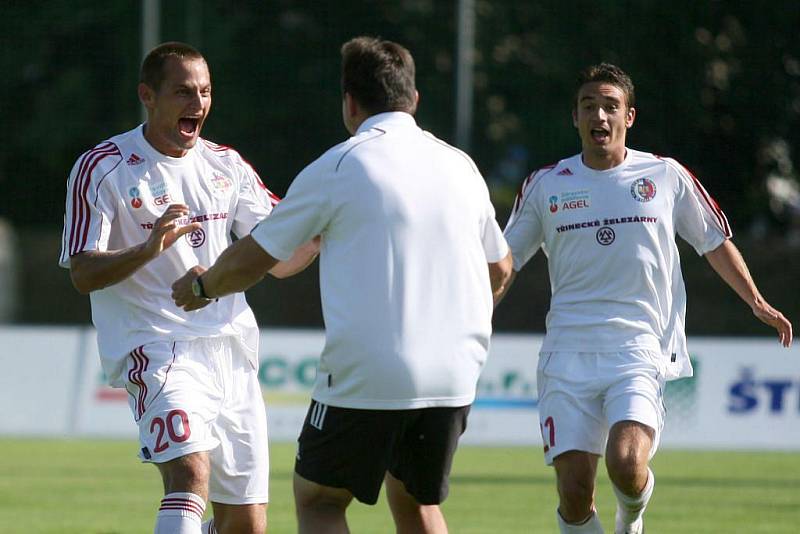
(605, 160)
(161, 144)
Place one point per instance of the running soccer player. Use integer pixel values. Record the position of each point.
(411, 254)
(142, 208)
(606, 219)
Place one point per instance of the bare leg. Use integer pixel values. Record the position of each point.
(186, 474)
(185, 492)
(575, 475)
(627, 456)
(320, 509)
(411, 517)
(240, 518)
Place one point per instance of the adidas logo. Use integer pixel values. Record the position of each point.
(564, 172)
(134, 160)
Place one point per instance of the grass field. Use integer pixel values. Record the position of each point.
(99, 487)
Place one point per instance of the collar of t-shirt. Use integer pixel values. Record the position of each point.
(389, 118)
(151, 153)
(606, 172)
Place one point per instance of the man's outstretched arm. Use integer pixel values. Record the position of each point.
(239, 267)
(730, 265)
(303, 256)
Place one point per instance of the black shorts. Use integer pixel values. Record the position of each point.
(353, 449)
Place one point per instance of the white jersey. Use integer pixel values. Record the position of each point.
(115, 193)
(407, 230)
(609, 237)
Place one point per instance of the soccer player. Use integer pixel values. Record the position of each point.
(142, 208)
(606, 219)
(411, 255)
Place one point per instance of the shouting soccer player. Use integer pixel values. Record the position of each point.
(606, 219)
(142, 208)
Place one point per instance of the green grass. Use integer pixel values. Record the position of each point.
(99, 487)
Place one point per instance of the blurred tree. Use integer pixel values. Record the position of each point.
(70, 69)
(718, 87)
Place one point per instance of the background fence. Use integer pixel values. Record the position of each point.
(718, 87)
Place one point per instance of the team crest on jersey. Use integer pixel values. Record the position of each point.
(220, 183)
(196, 238)
(136, 197)
(643, 189)
(553, 203)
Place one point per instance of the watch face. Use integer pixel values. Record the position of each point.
(196, 288)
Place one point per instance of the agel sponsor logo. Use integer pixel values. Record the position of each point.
(574, 200)
(575, 204)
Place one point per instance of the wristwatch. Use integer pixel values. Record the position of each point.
(198, 290)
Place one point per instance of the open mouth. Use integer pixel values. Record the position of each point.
(600, 135)
(188, 125)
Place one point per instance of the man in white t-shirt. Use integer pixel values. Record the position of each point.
(410, 260)
(606, 219)
(142, 208)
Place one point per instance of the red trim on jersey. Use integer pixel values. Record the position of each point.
(272, 196)
(715, 209)
(79, 204)
(81, 187)
(81, 168)
(224, 148)
(526, 182)
(81, 218)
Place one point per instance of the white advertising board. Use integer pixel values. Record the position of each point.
(745, 393)
(40, 369)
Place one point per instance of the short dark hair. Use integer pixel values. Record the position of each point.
(152, 71)
(379, 75)
(606, 73)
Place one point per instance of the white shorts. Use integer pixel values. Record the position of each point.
(582, 394)
(202, 395)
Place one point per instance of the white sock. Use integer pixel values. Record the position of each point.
(630, 509)
(589, 526)
(180, 513)
(208, 527)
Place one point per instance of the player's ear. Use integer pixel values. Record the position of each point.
(630, 117)
(349, 105)
(146, 95)
(575, 117)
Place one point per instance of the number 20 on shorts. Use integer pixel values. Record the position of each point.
(169, 424)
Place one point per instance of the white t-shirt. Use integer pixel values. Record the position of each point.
(115, 193)
(407, 230)
(609, 237)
